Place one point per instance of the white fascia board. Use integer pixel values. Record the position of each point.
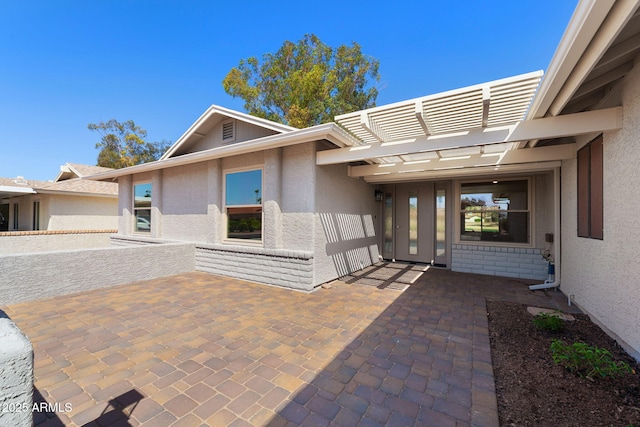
(544, 128)
(491, 171)
(216, 109)
(16, 190)
(582, 27)
(77, 193)
(527, 155)
(328, 131)
(615, 21)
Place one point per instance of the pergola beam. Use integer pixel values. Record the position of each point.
(460, 172)
(370, 126)
(486, 101)
(422, 119)
(526, 155)
(548, 127)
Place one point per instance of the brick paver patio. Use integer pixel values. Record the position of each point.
(202, 350)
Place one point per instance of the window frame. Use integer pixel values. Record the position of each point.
(16, 216)
(36, 215)
(590, 190)
(136, 209)
(529, 211)
(225, 207)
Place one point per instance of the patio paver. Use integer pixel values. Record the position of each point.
(198, 349)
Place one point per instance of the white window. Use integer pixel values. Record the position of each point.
(142, 207)
(495, 211)
(243, 204)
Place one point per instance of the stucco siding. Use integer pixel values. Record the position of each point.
(43, 241)
(82, 213)
(344, 234)
(601, 276)
(213, 139)
(298, 197)
(184, 203)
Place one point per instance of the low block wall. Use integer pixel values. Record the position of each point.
(522, 263)
(289, 269)
(46, 274)
(21, 242)
(16, 375)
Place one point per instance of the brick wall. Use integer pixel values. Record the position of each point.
(524, 263)
(27, 277)
(289, 269)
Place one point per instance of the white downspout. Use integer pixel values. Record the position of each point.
(556, 235)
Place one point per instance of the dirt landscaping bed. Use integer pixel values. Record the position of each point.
(534, 391)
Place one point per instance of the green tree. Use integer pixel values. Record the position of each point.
(305, 83)
(124, 144)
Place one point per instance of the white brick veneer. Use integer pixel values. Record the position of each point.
(286, 268)
(523, 263)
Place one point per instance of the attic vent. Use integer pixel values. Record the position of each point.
(229, 131)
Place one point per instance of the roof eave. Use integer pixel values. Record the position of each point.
(216, 109)
(591, 29)
(328, 131)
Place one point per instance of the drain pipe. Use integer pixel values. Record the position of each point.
(556, 236)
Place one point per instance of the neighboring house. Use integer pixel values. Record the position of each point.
(484, 179)
(66, 203)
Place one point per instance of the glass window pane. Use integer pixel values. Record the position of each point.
(243, 188)
(244, 223)
(143, 220)
(507, 195)
(440, 223)
(413, 222)
(495, 211)
(142, 195)
(388, 225)
(495, 226)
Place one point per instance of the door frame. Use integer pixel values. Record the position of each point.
(395, 222)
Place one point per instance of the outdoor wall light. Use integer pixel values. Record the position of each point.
(379, 195)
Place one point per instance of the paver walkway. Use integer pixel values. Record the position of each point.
(202, 350)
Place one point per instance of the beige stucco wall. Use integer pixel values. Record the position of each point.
(66, 212)
(45, 241)
(602, 276)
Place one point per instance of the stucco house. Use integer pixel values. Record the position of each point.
(497, 178)
(66, 203)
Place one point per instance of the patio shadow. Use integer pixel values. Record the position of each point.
(425, 360)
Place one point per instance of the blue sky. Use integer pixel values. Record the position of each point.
(65, 64)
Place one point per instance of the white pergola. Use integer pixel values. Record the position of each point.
(463, 131)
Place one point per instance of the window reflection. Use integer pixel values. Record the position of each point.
(413, 223)
(495, 211)
(243, 200)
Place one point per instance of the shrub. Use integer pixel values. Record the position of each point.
(548, 322)
(587, 361)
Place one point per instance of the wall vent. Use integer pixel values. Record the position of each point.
(229, 131)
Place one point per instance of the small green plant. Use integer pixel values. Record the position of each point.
(548, 322)
(587, 361)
